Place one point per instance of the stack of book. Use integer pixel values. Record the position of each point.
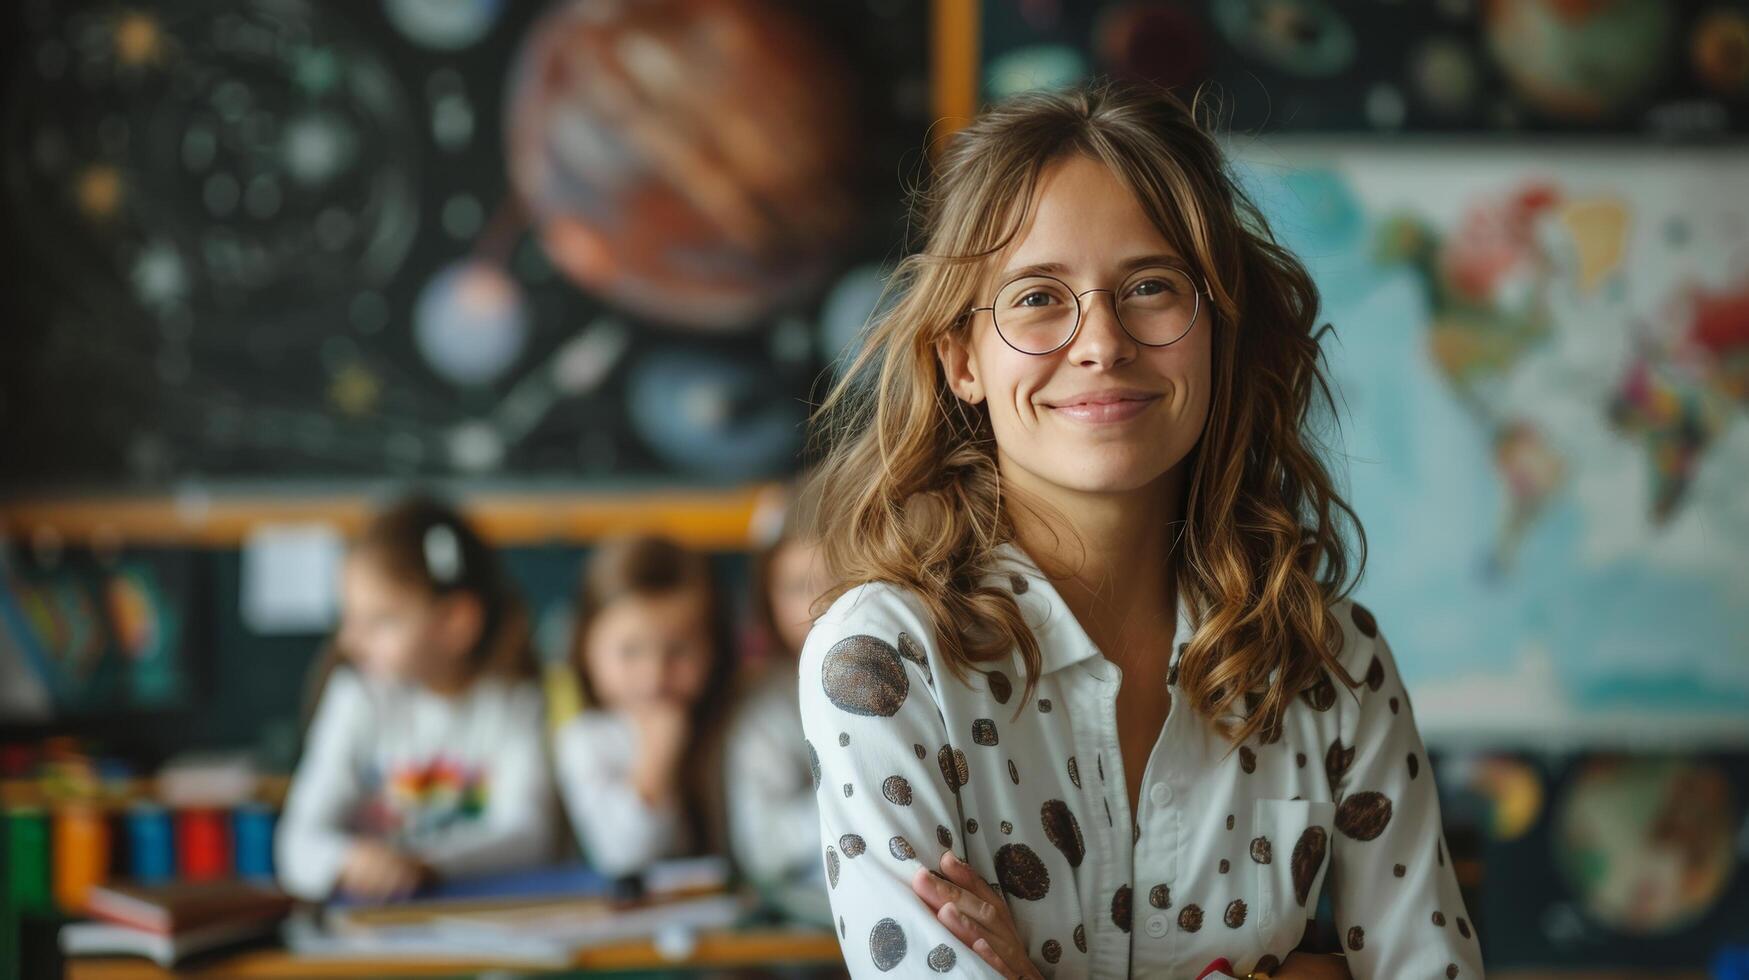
(169, 923)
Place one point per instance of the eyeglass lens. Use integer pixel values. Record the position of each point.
(1038, 314)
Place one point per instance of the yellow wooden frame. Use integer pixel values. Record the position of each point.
(953, 67)
(711, 519)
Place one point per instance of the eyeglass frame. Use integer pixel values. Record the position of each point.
(1081, 309)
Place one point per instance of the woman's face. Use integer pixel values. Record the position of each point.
(643, 649)
(1104, 414)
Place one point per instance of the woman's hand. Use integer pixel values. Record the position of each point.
(976, 915)
(1313, 966)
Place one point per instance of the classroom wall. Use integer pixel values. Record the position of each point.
(242, 689)
(1527, 221)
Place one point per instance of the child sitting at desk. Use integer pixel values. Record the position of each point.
(426, 756)
(774, 823)
(639, 768)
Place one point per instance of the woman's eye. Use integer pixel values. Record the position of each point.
(1043, 298)
(1151, 287)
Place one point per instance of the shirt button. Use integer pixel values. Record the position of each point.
(1156, 925)
(1161, 794)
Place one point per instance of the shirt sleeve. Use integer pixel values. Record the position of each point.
(885, 780)
(619, 832)
(1396, 899)
(516, 829)
(773, 824)
(313, 837)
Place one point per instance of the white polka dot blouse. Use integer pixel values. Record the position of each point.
(1226, 855)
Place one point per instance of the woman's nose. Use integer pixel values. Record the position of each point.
(1101, 340)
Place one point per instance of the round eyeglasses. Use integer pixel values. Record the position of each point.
(1038, 314)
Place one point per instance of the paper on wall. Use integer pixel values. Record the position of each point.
(291, 578)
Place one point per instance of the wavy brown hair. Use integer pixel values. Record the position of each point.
(908, 478)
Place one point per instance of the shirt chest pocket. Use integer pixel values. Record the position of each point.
(1290, 853)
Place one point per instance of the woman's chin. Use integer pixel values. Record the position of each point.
(1109, 476)
(1112, 468)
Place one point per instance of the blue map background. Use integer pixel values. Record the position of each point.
(1558, 545)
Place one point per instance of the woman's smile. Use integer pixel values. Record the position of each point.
(1103, 407)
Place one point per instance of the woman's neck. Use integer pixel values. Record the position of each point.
(1108, 553)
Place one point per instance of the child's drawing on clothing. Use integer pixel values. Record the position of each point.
(421, 798)
(462, 783)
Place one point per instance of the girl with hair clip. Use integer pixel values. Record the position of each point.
(640, 768)
(1090, 698)
(774, 826)
(426, 756)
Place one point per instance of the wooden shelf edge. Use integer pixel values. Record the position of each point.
(713, 949)
(710, 519)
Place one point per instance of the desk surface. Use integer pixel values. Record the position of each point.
(714, 951)
(717, 949)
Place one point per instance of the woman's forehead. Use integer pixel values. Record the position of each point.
(1082, 220)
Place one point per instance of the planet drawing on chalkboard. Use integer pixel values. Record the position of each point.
(441, 237)
(685, 160)
(443, 25)
(715, 416)
(218, 157)
(470, 322)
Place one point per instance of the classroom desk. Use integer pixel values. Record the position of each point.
(715, 950)
(1597, 974)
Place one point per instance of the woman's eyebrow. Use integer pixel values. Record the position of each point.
(1058, 268)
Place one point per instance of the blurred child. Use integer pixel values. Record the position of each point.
(639, 768)
(426, 756)
(774, 823)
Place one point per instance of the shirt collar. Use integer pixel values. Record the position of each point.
(1062, 642)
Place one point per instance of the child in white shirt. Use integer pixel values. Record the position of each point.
(426, 754)
(640, 768)
(774, 823)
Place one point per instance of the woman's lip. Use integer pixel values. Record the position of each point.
(1104, 396)
(1118, 410)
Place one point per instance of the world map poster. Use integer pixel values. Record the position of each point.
(1541, 361)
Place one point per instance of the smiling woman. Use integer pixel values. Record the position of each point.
(1091, 674)
(1135, 393)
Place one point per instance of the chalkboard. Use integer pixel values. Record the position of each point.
(573, 241)
(1672, 68)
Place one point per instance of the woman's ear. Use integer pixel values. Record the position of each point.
(960, 368)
